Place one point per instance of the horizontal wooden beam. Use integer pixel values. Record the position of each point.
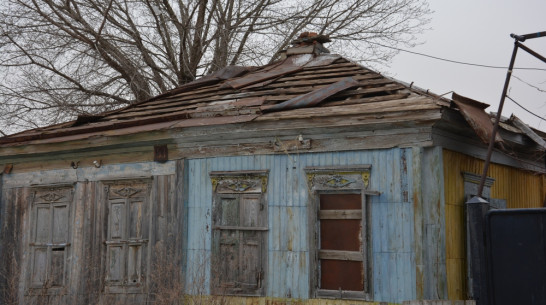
(340, 214)
(240, 228)
(341, 255)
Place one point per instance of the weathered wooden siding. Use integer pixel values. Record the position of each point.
(401, 175)
(429, 223)
(88, 222)
(521, 189)
(288, 258)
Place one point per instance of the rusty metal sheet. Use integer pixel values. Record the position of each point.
(340, 202)
(477, 118)
(341, 234)
(347, 275)
(314, 97)
(331, 239)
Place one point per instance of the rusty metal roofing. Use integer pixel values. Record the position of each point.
(298, 87)
(477, 118)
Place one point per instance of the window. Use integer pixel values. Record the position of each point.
(239, 227)
(50, 236)
(341, 242)
(342, 268)
(127, 235)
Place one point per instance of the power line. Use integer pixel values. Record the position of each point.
(455, 61)
(528, 84)
(526, 109)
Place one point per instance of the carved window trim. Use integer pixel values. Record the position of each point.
(238, 182)
(239, 186)
(339, 180)
(50, 198)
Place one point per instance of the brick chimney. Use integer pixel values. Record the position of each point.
(307, 43)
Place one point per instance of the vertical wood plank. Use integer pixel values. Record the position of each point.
(72, 234)
(434, 218)
(3, 280)
(2, 213)
(96, 204)
(21, 209)
(417, 155)
(180, 214)
(83, 248)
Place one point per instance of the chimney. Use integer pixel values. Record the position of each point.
(307, 43)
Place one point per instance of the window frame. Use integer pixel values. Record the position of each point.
(238, 185)
(339, 180)
(51, 196)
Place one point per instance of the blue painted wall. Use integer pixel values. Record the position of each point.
(391, 228)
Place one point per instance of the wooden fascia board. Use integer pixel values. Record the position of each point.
(123, 138)
(340, 139)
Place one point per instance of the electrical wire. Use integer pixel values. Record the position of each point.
(528, 84)
(455, 61)
(525, 108)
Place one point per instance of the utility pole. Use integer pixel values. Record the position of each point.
(477, 207)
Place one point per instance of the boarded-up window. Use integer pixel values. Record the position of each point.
(341, 242)
(339, 228)
(51, 231)
(239, 227)
(127, 234)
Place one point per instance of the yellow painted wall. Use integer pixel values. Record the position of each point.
(521, 189)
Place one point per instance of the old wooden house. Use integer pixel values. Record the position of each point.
(312, 180)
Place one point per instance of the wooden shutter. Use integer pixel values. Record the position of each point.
(51, 230)
(238, 240)
(127, 234)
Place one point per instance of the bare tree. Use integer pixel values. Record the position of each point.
(61, 58)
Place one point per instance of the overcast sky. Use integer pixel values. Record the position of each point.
(477, 31)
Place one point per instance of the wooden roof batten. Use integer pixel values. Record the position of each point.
(308, 88)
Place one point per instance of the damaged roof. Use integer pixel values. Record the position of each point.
(305, 85)
(241, 94)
